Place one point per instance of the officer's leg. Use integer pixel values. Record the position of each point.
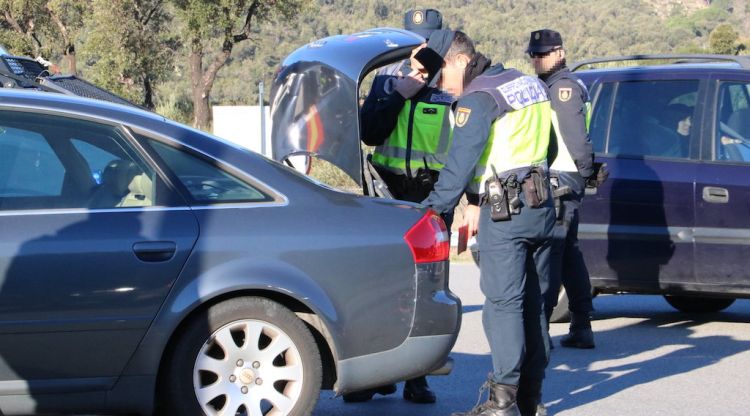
(578, 287)
(557, 254)
(535, 320)
(502, 282)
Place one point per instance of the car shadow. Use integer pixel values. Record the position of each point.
(660, 345)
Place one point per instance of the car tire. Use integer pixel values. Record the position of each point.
(247, 352)
(698, 304)
(561, 313)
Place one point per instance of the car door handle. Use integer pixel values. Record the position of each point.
(715, 195)
(154, 251)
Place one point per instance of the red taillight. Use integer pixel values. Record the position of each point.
(428, 239)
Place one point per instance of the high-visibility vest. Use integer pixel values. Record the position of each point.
(564, 161)
(520, 137)
(422, 137)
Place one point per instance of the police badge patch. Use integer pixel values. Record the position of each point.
(462, 116)
(417, 17)
(565, 93)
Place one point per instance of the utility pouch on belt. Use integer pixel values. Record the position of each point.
(497, 197)
(513, 187)
(536, 187)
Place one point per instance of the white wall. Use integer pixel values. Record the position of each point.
(241, 125)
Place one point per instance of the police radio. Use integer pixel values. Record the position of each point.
(497, 197)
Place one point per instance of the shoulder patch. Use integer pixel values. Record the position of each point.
(523, 92)
(462, 116)
(564, 94)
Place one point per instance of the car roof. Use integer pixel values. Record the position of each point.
(676, 63)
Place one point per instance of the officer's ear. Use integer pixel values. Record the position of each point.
(462, 61)
(561, 53)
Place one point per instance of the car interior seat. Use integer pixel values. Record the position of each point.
(116, 178)
(141, 192)
(739, 122)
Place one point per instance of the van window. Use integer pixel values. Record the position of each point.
(732, 132)
(653, 119)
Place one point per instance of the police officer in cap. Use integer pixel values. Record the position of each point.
(572, 168)
(500, 144)
(408, 120)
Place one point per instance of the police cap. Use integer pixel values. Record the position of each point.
(544, 40)
(423, 21)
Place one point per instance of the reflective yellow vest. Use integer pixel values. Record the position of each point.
(519, 138)
(422, 135)
(564, 161)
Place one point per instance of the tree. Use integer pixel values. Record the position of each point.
(228, 22)
(128, 50)
(67, 16)
(43, 28)
(722, 40)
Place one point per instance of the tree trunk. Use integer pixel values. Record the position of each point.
(148, 93)
(201, 113)
(203, 82)
(69, 62)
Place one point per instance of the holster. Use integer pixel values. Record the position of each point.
(536, 187)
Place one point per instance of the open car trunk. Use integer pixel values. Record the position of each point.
(314, 98)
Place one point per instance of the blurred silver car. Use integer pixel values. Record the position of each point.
(146, 266)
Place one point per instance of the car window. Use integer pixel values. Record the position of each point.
(28, 165)
(49, 162)
(653, 118)
(206, 182)
(600, 116)
(732, 132)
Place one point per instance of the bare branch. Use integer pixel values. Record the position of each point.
(14, 23)
(245, 34)
(60, 25)
(153, 11)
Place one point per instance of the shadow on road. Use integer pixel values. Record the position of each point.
(665, 343)
(660, 344)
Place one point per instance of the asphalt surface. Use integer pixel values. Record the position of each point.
(649, 360)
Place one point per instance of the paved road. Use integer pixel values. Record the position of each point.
(650, 360)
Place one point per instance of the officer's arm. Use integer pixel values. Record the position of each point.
(379, 113)
(571, 117)
(469, 141)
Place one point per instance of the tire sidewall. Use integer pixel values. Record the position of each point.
(181, 398)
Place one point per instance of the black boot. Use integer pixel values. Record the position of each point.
(529, 397)
(502, 401)
(365, 395)
(580, 334)
(416, 390)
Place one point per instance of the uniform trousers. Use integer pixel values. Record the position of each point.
(514, 273)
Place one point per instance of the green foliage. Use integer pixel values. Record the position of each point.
(723, 40)
(127, 49)
(176, 106)
(41, 27)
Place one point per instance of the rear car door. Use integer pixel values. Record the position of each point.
(91, 240)
(636, 230)
(722, 198)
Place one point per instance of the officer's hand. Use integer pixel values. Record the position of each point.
(471, 219)
(409, 85)
(599, 178)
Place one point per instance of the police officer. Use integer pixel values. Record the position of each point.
(409, 122)
(408, 119)
(500, 142)
(573, 165)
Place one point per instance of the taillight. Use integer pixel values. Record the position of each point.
(428, 239)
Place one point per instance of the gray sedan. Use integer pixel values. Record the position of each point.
(145, 265)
